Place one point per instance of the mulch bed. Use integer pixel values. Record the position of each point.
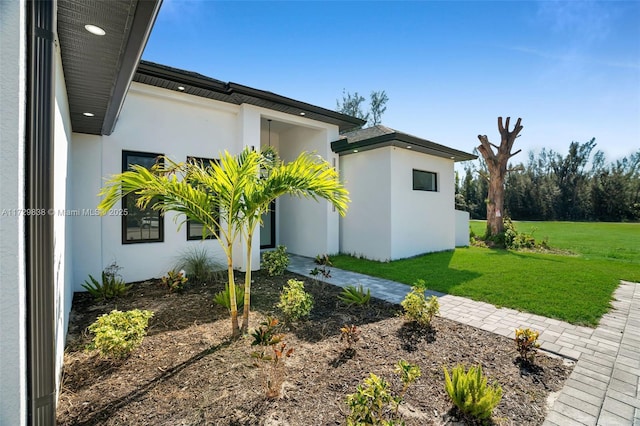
(188, 371)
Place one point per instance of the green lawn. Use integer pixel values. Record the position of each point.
(577, 289)
(588, 239)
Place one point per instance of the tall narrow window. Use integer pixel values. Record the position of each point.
(140, 226)
(425, 181)
(195, 228)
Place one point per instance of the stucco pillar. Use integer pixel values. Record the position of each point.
(249, 135)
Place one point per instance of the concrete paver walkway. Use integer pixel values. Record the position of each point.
(604, 387)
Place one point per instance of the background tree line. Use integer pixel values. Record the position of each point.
(549, 186)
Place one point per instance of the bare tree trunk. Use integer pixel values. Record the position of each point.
(497, 165)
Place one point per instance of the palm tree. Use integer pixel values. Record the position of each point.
(307, 176)
(228, 198)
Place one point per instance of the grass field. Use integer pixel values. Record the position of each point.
(588, 239)
(576, 288)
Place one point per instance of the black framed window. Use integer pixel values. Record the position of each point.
(425, 181)
(140, 226)
(195, 228)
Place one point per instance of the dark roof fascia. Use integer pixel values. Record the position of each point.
(351, 121)
(143, 21)
(344, 147)
(182, 77)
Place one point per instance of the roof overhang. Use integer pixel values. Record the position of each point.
(400, 140)
(98, 69)
(199, 85)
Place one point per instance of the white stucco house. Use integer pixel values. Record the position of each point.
(78, 105)
(402, 192)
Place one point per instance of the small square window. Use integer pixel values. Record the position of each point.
(195, 228)
(140, 226)
(425, 181)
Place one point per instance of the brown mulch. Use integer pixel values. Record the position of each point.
(188, 371)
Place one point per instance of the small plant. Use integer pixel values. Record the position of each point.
(174, 280)
(294, 301)
(118, 333)
(323, 259)
(199, 266)
(527, 343)
(275, 262)
(374, 402)
(470, 393)
(112, 284)
(417, 308)
(267, 336)
(355, 296)
(325, 272)
(408, 373)
(350, 335)
(223, 297)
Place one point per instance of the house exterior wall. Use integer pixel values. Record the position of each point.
(307, 227)
(422, 221)
(156, 121)
(62, 235)
(387, 219)
(462, 228)
(366, 229)
(178, 125)
(13, 384)
(86, 230)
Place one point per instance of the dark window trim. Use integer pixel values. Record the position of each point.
(125, 167)
(208, 237)
(435, 179)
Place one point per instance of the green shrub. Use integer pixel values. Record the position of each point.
(199, 266)
(223, 298)
(118, 333)
(275, 262)
(470, 393)
(527, 343)
(417, 308)
(372, 403)
(112, 284)
(516, 240)
(355, 296)
(174, 280)
(294, 301)
(375, 403)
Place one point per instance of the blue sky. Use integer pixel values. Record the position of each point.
(570, 69)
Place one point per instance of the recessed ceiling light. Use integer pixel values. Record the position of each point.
(453, 158)
(181, 88)
(408, 146)
(302, 113)
(355, 150)
(94, 29)
(88, 114)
